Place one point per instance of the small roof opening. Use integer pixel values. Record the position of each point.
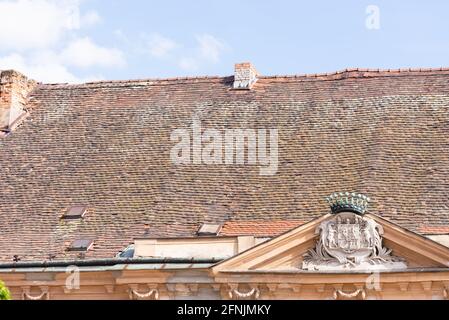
(208, 229)
(80, 245)
(128, 252)
(75, 212)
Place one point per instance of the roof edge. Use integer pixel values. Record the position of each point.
(102, 262)
(336, 75)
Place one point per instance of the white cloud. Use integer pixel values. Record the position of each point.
(210, 48)
(90, 18)
(42, 39)
(33, 32)
(160, 46)
(29, 24)
(48, 65)
(84, 53)
(42, 69)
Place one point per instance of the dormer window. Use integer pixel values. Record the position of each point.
(81, 245)
(75, 212)
(207, 229)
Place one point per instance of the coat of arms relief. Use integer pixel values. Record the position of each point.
(350, 241)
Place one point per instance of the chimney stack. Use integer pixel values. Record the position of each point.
(245, 75)
(14, 90)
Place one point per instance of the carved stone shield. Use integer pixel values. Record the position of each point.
(348, 237)
(349, 240)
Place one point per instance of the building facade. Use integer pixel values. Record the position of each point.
(104, 197)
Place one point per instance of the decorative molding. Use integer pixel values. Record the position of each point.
(349, 241)
(426, 285)
(134, 294)
(272, 287)
(234, 293)
(289, 286)
(403, 286)
(258, 256)
(44, 293)
(320, 288)
(297, 288)
(338, 286)
(359, 286)
(446, 290)
(193, 287)
(348, 202)
(109, 288)
(182, 289)
(420, 246)
(216, 286)
(349, 295)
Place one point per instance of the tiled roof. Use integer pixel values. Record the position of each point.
(258, 228)
(106, 145)
(434, 229)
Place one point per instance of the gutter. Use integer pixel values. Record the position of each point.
(104, 262)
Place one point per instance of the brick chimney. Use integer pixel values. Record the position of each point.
(245, 75)
(14, 90)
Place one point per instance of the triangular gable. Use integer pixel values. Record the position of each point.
(286, 252)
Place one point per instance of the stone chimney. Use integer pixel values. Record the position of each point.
(245, 75)
(14, 90)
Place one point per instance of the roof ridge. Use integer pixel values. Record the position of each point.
(142, 81)
(353, 72)
(381, 72)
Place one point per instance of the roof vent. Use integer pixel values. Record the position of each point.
(80, 245)
(75, 212)
(245, 75)
(207, 229)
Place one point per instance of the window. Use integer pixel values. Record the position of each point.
(207, 229)
(80, 245)
(75, 212)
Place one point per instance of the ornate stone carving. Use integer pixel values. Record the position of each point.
(152, 293)
(349, 295)
(44, 295)
(350, 241)
(235, 294)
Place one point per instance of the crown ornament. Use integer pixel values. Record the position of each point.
(346, 201)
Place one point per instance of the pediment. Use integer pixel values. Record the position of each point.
(343, 243)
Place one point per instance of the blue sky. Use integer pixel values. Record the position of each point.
(85, 40)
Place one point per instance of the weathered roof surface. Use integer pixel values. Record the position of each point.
(106, 145)
(258, 228)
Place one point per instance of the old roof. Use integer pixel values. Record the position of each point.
(258, 228)
(106, 145)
